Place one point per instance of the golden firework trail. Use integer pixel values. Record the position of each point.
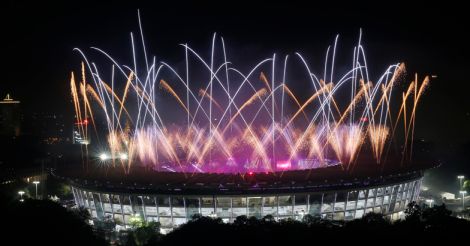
(338, 116)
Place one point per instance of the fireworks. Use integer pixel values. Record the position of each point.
(240, 122)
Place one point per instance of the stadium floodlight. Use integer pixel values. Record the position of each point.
(104, 157)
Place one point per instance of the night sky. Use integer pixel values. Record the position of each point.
(431, 39)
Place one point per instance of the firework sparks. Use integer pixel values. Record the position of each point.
(262, 136)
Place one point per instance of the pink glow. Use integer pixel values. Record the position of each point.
(284, 165)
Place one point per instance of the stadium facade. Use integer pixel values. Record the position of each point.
(176, 197)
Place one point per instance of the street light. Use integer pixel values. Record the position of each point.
(463, 192)
(21, 193)
(460, 177)
(430, 201)
(36, 183)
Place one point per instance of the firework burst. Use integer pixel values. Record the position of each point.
(236, 121)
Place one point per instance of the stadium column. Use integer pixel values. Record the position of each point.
(214, 199)
(411, 191)
(79, 197)
(408, 193)
(246, 201)
(308, 204)
(321, 205)
(293, 206)
(90, 194)
(365, 201)
(143, 208)
(102, 206)
(111, 204)
(156, 208)
(85, 203)
(334, 204)
(200, 210)
(185, 210)
(355, 206)
(375, 199)
(382, 203)
(417, 189)
(132, 205)
(171, 210)
(122, 209)
(390, 189)
(75, 196)
(262, 206)
(277, 207)
(231, 209)
(393, 197)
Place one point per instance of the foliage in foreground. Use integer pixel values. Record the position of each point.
(44, 222)
(425, 224)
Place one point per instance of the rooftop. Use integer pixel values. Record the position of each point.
(9, 100)
(141, 180)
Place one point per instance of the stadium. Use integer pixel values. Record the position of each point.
(173, 198)
(230, 143)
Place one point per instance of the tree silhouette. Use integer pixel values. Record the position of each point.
(413, 212)
(47, 223)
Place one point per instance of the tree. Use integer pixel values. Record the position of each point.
(436, 213)
(65, 190)
(309, 219)
(145, 232)
(131, 241)
(51, 224)
(196, 216)
(466, 185)
(82, 213)
(375, 219)
(253, 221)
(240, 220)
(413, 212)
(268, 219)
(136, 221)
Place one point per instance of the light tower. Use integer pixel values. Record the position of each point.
(463, 192)
(460, 177)
(21, 193)
(36, 183)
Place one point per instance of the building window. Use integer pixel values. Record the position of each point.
(224, 207)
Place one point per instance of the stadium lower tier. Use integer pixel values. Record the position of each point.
(173, 210)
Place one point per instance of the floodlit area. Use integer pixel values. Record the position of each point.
(174, 210)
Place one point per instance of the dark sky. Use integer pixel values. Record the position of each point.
(430, 38)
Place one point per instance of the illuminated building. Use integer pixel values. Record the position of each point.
(10, 117)
(78, 134)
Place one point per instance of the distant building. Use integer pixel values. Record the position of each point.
(78, 136)
(447, 195)
(10, 117)
(49, 127)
